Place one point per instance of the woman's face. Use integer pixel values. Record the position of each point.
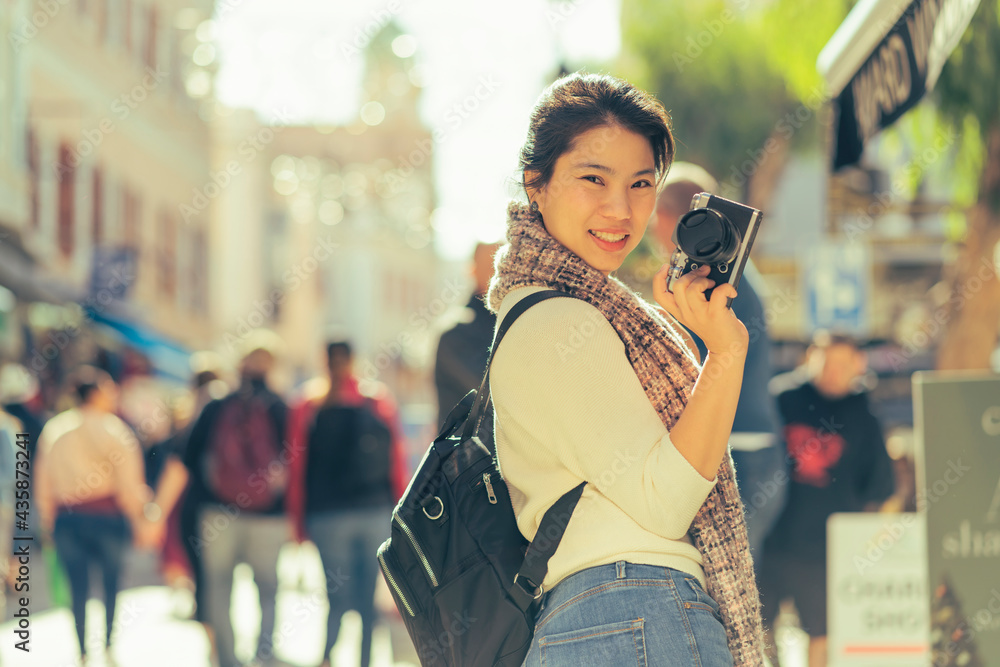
(601, 195)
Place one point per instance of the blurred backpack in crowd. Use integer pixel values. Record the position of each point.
(243, 464)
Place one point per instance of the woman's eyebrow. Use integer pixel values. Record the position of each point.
(609, 170)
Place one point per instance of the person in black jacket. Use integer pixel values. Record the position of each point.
(839, 464)
(239, 473)
(464, 349)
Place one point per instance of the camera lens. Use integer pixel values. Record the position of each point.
(707, 236)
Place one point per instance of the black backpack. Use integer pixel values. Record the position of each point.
(464, 579)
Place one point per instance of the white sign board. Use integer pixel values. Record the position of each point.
(877, 590)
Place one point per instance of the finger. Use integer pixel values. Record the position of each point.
(696, 290)
(720, 296)
(660, 282)
(669, 304)
(681, 283)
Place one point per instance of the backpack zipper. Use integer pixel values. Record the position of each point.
(489, 488)
(392, 580)
(416, 548)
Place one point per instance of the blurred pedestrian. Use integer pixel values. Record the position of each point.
(90, 492)
(347, 473)
(602, 389)
(174, 508)
(10, 427)
(21, 397)
(756, 445)
(839, 464)
(463, 349)
(239, 475)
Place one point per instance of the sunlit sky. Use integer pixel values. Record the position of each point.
(290, 55)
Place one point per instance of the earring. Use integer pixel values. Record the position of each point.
(534, 207)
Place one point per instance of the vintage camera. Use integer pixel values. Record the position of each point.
(717, 232)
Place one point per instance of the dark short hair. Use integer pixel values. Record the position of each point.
(581, 102)
(341, 347)
(86, 380)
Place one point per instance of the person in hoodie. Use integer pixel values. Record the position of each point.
(347, 473)
(838, 463)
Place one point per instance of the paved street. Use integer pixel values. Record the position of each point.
(152, 632)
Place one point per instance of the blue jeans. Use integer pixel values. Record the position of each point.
(627, 614)
(84, 540)
(762, 478)
(347, 541)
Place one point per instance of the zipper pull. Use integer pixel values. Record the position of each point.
(489, 488)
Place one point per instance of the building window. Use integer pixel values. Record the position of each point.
(167, 255)
(199, 273)
(151, 43)
(31, 153)
(126, 19)
(130, 219)
(101, 19)
(67, 200)
(97, 209)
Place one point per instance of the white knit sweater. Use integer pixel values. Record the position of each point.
(570, 408)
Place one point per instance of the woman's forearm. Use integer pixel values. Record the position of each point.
(701, 433)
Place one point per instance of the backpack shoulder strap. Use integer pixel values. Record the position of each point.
(475, 417)
(547, 538)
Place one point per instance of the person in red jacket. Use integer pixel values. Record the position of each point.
(347, 473)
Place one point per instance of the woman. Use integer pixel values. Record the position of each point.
(654, 566)
(91, 492)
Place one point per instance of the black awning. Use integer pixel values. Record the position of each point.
(895, 71)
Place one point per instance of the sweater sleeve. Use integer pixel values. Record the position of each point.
(562, 374)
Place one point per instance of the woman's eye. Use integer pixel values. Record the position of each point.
(596, 179)
(642, 184)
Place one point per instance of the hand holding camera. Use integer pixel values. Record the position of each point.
(709, 319)
(713, 241)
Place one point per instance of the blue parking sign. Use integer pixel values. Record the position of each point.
(836, 279)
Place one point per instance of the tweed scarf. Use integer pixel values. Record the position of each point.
(667, 370)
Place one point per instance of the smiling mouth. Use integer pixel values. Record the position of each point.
(610, 238)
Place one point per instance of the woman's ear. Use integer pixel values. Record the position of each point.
(535, 195)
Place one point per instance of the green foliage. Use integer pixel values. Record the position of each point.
(970, 81)
(793, 34)
(706, 62)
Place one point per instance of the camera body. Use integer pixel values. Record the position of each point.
(717, 232)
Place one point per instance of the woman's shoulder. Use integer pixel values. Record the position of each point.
(555, 324)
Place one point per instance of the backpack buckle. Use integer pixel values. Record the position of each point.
(437, 515)
(528, 591)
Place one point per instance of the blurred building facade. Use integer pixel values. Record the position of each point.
(334, 231)
(106, 143)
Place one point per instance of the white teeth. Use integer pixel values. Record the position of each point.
(610, 238)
